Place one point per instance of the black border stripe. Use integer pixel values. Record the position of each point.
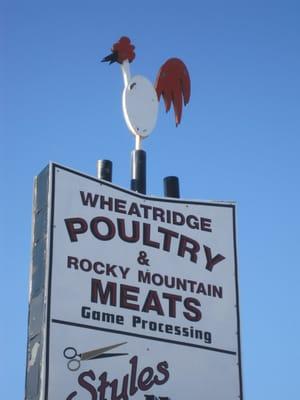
(237, 302)
(96, 328)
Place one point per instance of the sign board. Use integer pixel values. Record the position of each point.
(138, 294)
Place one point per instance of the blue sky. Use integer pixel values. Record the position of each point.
(239, 140)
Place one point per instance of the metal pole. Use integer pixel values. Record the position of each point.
(138, 171)
(171, 187)
(104, 170)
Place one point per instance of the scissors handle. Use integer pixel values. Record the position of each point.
(74, 364)
(70, 353)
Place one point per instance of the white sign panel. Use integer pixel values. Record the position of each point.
(142, 295)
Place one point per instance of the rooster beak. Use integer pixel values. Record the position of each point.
(111, 58)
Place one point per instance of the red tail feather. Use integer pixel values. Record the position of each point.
(173, 83)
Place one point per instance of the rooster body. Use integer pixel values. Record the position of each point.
(140, 106)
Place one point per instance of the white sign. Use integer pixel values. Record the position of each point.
(142, 295)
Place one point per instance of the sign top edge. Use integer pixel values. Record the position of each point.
(229, 204)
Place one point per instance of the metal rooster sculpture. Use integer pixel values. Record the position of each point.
(140, 98)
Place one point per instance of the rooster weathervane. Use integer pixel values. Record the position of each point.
(140, 97)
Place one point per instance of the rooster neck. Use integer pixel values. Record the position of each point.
(126, 72)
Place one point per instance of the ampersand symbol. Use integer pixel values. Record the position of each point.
(142, 260)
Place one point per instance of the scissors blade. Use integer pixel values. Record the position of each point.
(88, 355)
(107, 355)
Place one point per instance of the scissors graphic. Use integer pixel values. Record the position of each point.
(75, 358)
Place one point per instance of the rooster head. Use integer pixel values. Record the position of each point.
(121, 51)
